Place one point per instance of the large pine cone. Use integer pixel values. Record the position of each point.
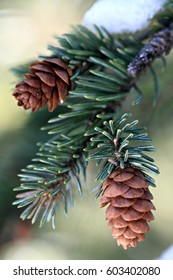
(129, 211)
(48, 83)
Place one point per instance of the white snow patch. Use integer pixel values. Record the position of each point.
(119, 16)
(167, 254)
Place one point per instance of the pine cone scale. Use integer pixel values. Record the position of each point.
(56, 61)
(115, 190)
(33, 101)
(107, 182)
(63, 75)
(122, 202)
(120, 223)
(62, 90)
(132, 215)
(122, 177)
(54, 101)
(137, 182)
(113, 213)
(33, 82)
(127, 242)
(147, 195)
(35, 92)
(41, 67)
(47, 90)
(22, 87)
(46, 78)
(129, 234)
(25, 95)
(116, 232)
(139, 226)
(113, 175)
(142, 205)
(148, 216)
(133, 193)
(43, 101)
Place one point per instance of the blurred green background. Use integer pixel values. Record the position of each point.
(26, 27)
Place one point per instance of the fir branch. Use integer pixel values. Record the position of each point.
(116, 144)
(100, 84)
(160, 44)
(46, 182)
(77, 47)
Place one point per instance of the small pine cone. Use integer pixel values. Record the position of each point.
(129, 211)
(48, 83)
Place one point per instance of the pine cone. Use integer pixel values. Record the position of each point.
(129, 210)
(48, 83)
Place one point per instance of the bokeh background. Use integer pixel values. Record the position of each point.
(26, 27)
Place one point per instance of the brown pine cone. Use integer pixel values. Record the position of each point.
(48, 83)
(129, 211)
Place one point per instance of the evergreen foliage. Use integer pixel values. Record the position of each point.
(114, 143)
(90, 120)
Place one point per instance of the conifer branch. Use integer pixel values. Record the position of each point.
(114, 145)
(159, 45)
(100, 82)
